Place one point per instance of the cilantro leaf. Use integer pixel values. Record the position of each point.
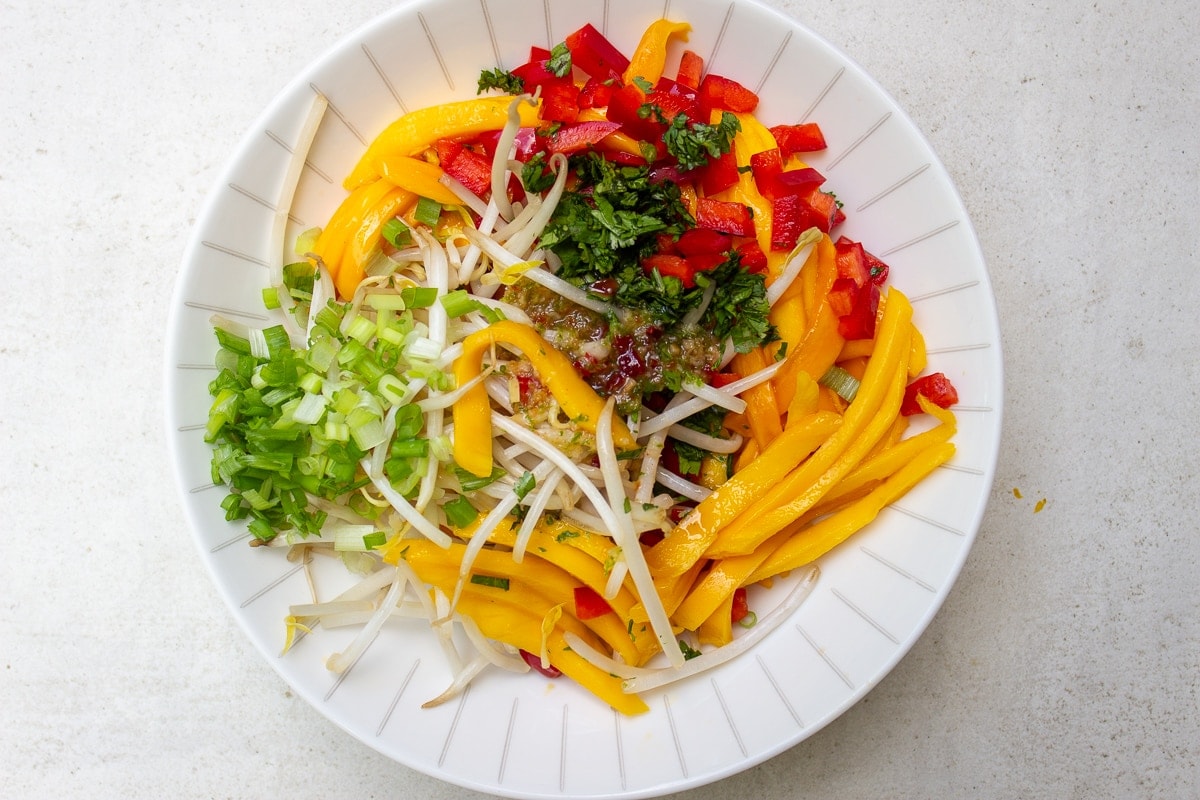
(500, 79)
(560, 60)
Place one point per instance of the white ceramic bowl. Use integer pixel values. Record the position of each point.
(524, 736)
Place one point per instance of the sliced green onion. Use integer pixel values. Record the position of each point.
(374, 540)
(410, 448)
(306, 242)
(459, 512)
(748, 621)
(524, 485)
(361, 330)
(490, 580)
(840, 381)
(470, 482)
(458, 303)
(427, 211)
(397, 233)
(418, 296)
(386, 301)
(270, 297)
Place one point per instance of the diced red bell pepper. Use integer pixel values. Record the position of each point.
(667, 243)
(691, 65)
(724, 216)
(851, 261)
(725, 94)
(703, 262)
(766, 167)
(595, 93)
(856, 307)
(878, 269)
(741, 605)
(936, 388)
(674, 98)
(596, 55)
(571, 138)
(719, 173)
(854, 261)
(773, 181)
(752, 256)
(560, 96)
(623, 108)
(535, 662)
(703, 241)
(589, 604)
(803, 138)
(792, 214)
(671, 266)
(465, 166)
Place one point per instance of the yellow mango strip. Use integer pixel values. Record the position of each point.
(649, 59)
(685, 545)
(879, 466)
(746, 534)
(417, 176)
(805, 400)
(417, 130)
(517, 621)
(746, 456)
(528, 582)
(472, 412)
(717, 630)
(556, 542)
(881, 380)
(715, 587)
(557, 587)
(790, 320)
(762, 411)
(918, 357)
(828, 533)
(818, 349)
(345, 222)
(361, 245)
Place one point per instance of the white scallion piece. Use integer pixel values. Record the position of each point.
(795, 261)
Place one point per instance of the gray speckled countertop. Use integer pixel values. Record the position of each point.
(1065, 663)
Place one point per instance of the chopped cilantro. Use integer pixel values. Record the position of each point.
(688, 651)
(500, 79)
(536, 175)
(560, 60)
(693, 144)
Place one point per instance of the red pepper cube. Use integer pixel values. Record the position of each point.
(741, 605)
(465, 166)
(595, 93)
(753, 258)
(596, 55)
(589, 604)
(670, 266)
(724, 216)
(878, 269)
(856, 308)
(798, 181)
(766, 167)
(691, 65)
(703, 241)
(851, 261)
(789, 219)
(560, 101)
(804, 138)
(703, 262)
(623, 108)
(719, 173)
(725, 94)
(936, 388)
(535, 662)
(674, 99)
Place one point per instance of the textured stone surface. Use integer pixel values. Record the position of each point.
(1064, 664)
